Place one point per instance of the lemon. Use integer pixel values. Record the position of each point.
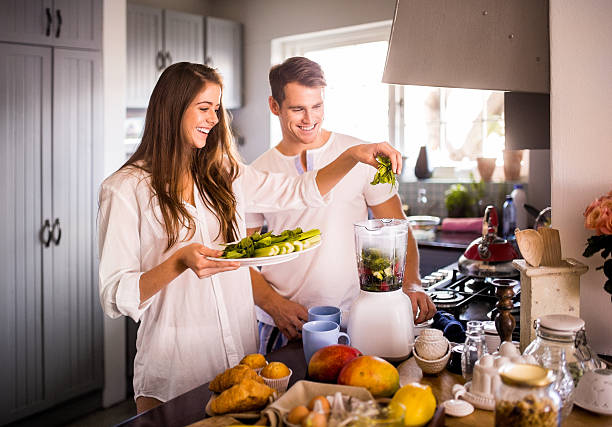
(417, 403)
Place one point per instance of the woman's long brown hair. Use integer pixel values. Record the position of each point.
(165, 155)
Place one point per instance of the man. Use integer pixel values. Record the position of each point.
(327, 275)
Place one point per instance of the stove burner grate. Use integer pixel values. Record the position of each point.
(445, 297)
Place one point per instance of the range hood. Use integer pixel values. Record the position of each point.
(477, 44)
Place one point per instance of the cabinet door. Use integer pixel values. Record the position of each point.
(72, 314)
(77, 23)
(183, 37)
(25, 145)
(224, 52)
(144, 53)
(26, 21)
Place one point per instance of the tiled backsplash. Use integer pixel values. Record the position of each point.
(495, 193)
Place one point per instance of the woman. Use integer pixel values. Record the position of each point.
(182, 192)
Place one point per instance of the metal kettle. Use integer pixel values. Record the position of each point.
(489, 255)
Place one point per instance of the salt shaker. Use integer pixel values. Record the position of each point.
(473, 349)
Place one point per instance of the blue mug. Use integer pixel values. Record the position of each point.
(324, 312)
(320, 333)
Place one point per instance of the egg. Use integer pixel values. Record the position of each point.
(315, 419)
(324, 404)
(297, 414)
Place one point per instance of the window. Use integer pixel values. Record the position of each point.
(456, 125)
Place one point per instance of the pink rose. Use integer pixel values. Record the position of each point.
(592, 214)
(604, 223)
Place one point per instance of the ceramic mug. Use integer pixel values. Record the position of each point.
(324, 312)
(320, 333)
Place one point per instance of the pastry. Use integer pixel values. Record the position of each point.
(233, 376)
(248, 395)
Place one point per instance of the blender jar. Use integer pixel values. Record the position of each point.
(380, 246)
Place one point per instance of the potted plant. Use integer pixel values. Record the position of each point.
(459, 203)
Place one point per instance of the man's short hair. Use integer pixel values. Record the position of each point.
(296, 69)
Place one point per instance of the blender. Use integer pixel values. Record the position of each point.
(381, 319)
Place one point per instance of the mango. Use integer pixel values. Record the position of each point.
(326, 363)
(374, 373)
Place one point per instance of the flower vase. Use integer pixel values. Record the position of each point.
(421, 169)
(512, 164)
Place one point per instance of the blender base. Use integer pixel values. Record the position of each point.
(381, 324)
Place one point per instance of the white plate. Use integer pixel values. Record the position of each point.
(266, 260)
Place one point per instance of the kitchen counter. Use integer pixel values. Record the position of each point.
(189, 407)
(451, 240)
(443, 249)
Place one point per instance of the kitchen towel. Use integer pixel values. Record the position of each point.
(453, 329)
(465, 225)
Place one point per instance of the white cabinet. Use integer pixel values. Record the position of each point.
(65, 23)
(157, 38)
(183, 37)
(145, 53)
(224, 52)
(50, 146)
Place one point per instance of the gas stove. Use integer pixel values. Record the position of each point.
(467, 298)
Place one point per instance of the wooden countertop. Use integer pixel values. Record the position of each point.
(442, 385)
(189, 407)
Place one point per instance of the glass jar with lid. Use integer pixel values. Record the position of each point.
(526, 396)
(565, 332)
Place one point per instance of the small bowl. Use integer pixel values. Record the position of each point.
(433, 366)
(430, 346)
(594, 391)
(278, 384)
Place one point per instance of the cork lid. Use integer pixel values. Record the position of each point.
(561, 323)
(525, 375)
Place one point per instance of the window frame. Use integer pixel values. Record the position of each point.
(297, 45)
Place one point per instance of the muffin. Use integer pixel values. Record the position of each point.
(276, 375)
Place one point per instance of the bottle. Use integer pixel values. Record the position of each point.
(508, 218)
(519, 198)
(473, 348)
(421, 205)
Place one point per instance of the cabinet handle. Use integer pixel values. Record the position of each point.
(49, 22)
(45, 234)
(169, 58)
(59, 23)
(56, 224)
(159, 60)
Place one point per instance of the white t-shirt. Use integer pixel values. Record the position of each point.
(192, 329)
(327, 275)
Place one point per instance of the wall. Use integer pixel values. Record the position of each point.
(114, 81)
(264, 20)
(581, 148)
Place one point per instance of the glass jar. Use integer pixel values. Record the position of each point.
(565, 332)
(473, 348)
(526, 397)
(553, 358)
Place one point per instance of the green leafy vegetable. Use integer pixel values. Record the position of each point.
(384, 174)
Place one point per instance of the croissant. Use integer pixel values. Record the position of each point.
(247, 395)
(233, 376)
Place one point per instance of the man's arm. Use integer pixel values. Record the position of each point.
(287, 315)
(392, 208)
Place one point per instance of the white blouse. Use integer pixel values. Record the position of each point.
(193, 328)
